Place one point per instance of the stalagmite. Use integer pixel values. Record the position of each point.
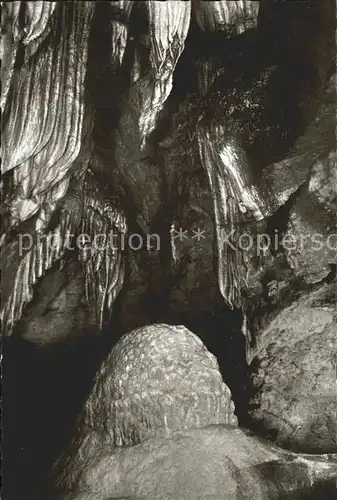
(159, 423)
(157, 380)
(168, 26)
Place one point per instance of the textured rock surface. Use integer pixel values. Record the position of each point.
(323, 181)
(294, 317)
(159, 378)
(40, 147)
(230, 16)
(61, 312)
(310, 243)
(295, 375)
(156, 380)
(156, 426)
(217, 463)
(310, 240)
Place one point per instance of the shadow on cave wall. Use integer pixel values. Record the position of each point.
(43, 389)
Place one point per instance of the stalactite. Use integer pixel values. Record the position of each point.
(235, 200)
(120, 29)
(168, 24)
(228, 17)
(101, 255)
(233, 17)
(42, 137)
(37, 18)
(10, 37)
(207, 72)
(27, 265)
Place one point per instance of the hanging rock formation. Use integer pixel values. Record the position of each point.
(233, 17)
(40, 146)
(45, 65)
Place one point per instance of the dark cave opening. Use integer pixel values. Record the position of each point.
(44, 389)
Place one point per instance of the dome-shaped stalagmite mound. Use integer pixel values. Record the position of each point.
(156, 380)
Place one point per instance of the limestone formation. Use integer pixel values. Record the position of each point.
(295, 375)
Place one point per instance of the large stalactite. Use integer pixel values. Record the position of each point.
(101, 255)
(40, 146)
(168, 27)
(234, 200)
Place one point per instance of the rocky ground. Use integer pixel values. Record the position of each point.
(141, 118)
